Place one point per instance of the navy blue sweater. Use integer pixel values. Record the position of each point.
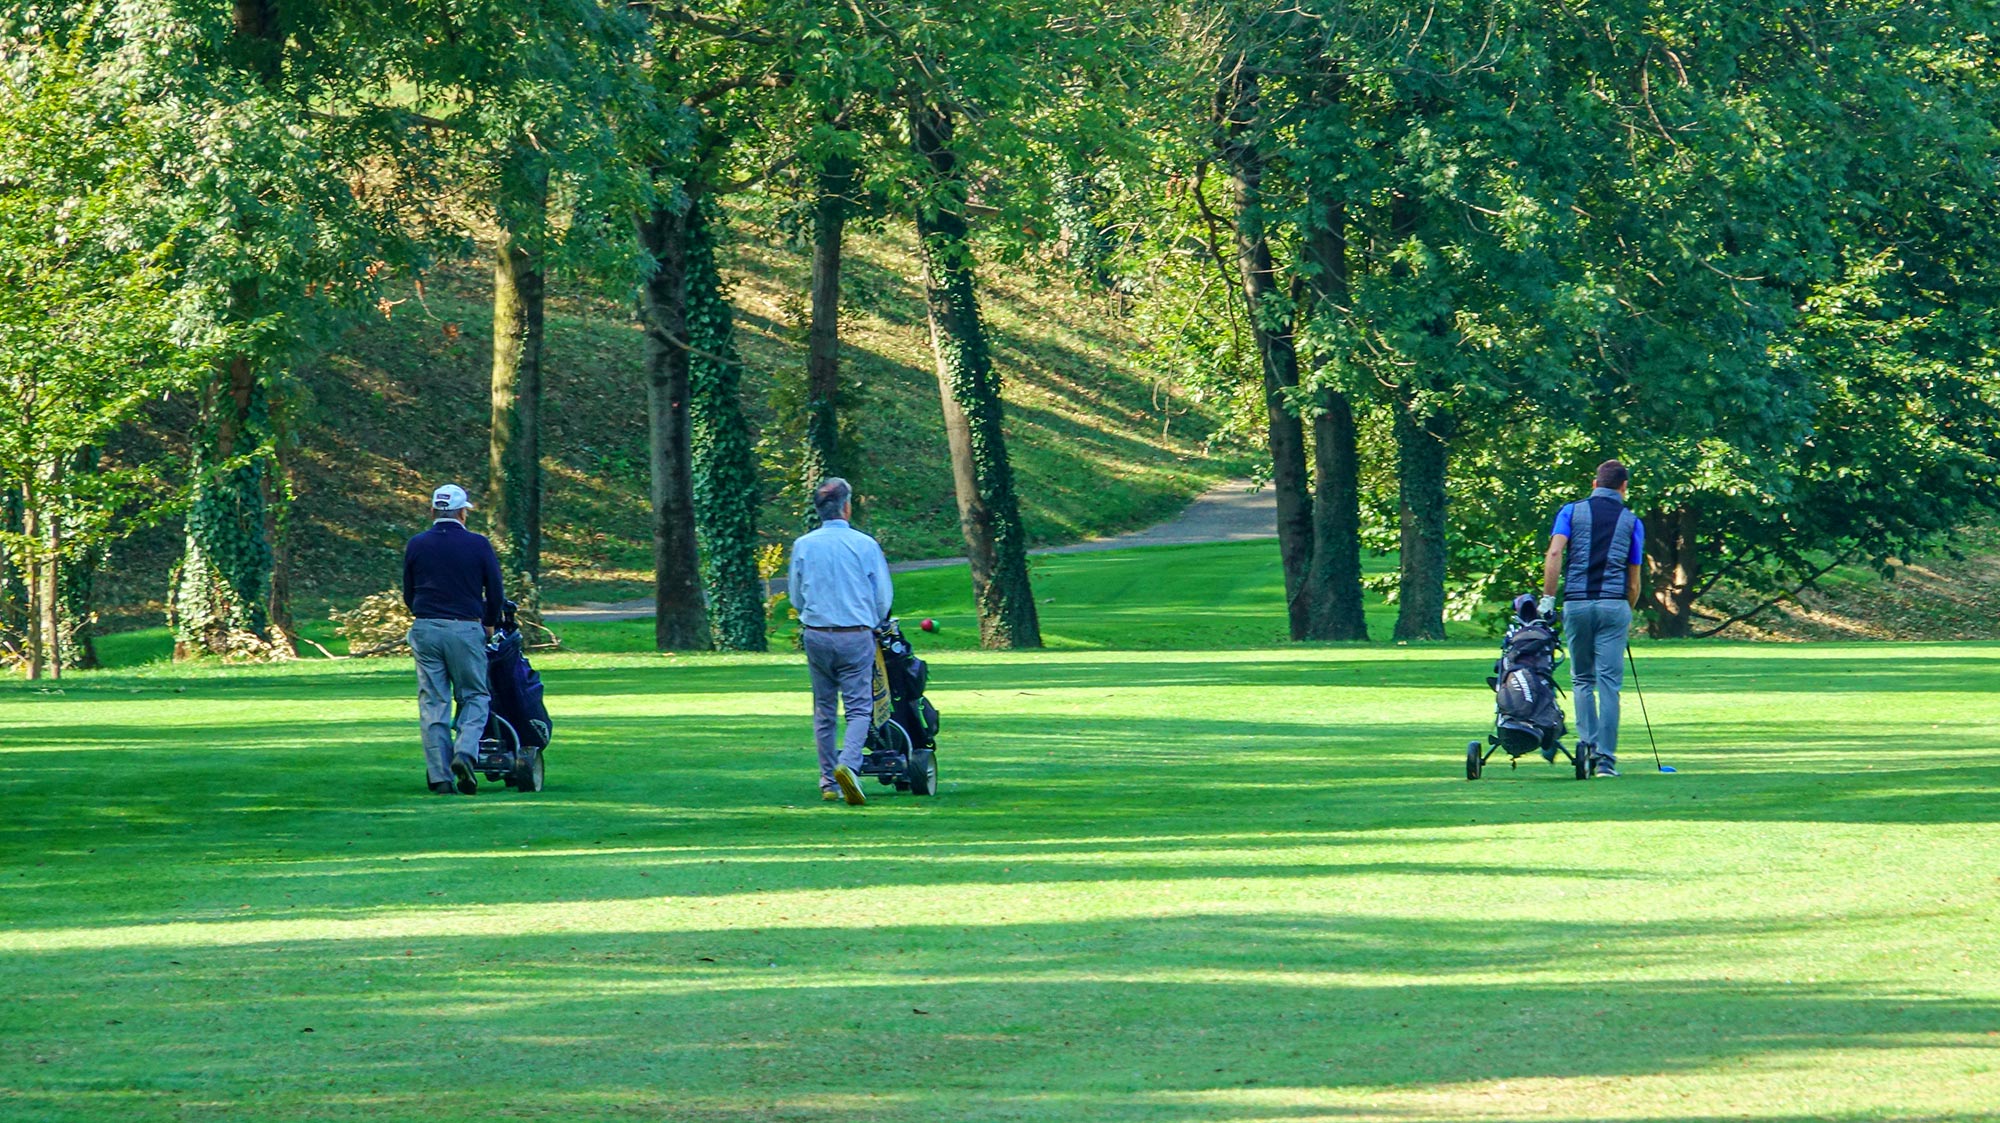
(450, 573)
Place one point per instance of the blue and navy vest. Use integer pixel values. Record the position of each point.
(1600, 547)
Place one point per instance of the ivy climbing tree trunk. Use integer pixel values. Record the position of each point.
(830, 208)
(514, 449)
(724, 455)
(1421, 447)
(221, 596)
(1673, 567)
(1333, 585)
(680, 619)
(988, 511)
(1271, 318)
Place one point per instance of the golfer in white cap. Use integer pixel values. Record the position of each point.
(451, 584)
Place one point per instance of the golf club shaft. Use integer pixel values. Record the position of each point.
(1640, 691)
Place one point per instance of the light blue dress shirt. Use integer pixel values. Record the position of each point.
(839, 578)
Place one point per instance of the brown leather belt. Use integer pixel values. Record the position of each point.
(855, 628)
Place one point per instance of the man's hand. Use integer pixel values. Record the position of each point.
(1546, 605)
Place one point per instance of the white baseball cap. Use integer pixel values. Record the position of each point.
(450, 497)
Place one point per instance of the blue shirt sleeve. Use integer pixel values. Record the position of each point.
(1562, 522)
(1638, 542)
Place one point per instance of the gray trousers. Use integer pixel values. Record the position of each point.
(451, 662)
(1595, 633)
(843, 670)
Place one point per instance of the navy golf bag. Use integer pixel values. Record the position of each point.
(518, 728)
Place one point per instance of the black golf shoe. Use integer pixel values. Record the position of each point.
(442, 787)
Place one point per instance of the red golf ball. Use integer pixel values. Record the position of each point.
(929, 625)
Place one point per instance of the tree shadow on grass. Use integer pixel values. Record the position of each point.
(1160, 1018)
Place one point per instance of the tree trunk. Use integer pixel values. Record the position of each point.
(76, 582)
(1420, 478)
(222, 587)
(1272, 320)
(13, 578)
(31, 532)
(1333, 585)
(724, 456)
(514, 457)
(822, 459)
(680, 620)
(48, 591)
(276, 488)
(1673, 567)
(988, 511)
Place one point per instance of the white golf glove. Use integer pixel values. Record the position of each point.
(1545, 606)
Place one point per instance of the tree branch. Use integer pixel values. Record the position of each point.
(769, 80)
(1801, 587)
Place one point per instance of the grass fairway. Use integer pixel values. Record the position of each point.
(1157, 886)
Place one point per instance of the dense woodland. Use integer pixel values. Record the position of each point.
(1437, 261)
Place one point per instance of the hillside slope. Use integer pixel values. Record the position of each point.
(402, 405)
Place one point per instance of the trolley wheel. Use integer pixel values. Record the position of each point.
(500, 741)
(527, 773)
(1474, 760)
(923, 772)
(1582, 756)
(901, 785)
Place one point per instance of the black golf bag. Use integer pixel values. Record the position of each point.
(902, 738)
(1527, 717)
(1526, 714)
(518, 727)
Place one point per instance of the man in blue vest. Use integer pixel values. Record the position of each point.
(451, 585)
(1595, 550)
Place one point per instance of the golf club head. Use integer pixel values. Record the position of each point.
(1667, 768)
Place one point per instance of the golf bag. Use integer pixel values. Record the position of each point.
(518, 727)
(1526, 714)
(902, 737)
(517, 689)
(905, 676)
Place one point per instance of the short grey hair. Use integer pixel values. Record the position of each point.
(830, 498)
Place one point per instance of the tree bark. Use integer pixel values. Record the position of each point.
(1272, 323)
(31, 530)
(830, 208)
(1673, 567)
(680, 620)
(1420, 477)
(48, 592)
(1333, 585)
(514, 456)
(988, 510)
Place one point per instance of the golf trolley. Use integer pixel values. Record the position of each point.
(902, 738)
(1526, 715)
(517, 726)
